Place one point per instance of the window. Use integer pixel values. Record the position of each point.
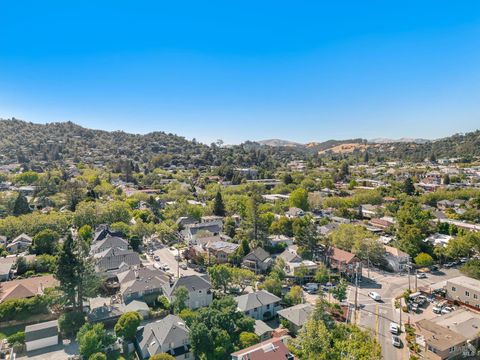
(475, 296)
(187, 355)
(467, 293)
(452, 349)
(268, 306)
(255, 309)
(453, 288)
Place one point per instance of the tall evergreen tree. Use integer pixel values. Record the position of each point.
(218, 205)
(408, 187)
(20, 206)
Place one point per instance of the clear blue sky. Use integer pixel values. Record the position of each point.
(237, 70)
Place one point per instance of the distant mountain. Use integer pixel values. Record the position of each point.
(279, 142)
(401, 140)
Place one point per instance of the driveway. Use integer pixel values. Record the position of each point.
(58, 352)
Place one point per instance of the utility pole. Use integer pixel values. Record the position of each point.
(400, 322)
(408, 266)
(356, 291)
(416, 279)
(377, 323)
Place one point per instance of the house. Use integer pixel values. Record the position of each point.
(304, 269)
(296, 316)
(26, 288)
(257, 260)
(5, 269)
(462, 321)
(368, 211)
(438, 342)
(381, 223)
(219, 249)
(280, 240)
(199, 291)
(438, 239)
(21, 243)
(139, 306)
(272, 349)
(103, 311)
(289, 256)
(192, 231)
(324, 230)
(102, 231)
(344, 262)
(397, 260)
(169, 335)
(262, 330)
(108, 242)
(294, 212)
(465, 290)
(42, 335)
(260, 305)
(141, 283)
(114, 260)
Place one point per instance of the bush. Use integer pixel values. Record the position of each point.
(70, 322)
(21, 309)
(17, 338)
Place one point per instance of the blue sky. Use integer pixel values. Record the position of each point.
(237, 70)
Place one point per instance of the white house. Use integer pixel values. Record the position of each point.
(397, 260)
(260, 305)
(42, 335)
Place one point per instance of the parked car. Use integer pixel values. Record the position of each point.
(156, 258)
(421, 275)
(396, 341)
(394, 328)
(311, 288)
(374, 295)
(183, 266)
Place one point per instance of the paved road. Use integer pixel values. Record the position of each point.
(377, 316)
(167, 257)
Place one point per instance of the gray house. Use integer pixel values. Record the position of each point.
(168, 335)
(199, 291)
(136, 284)
(258, 260)
(107, 243)
(296, 316)
(114, 260)
(260, 305)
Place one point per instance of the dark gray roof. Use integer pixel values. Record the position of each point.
(258, 254)
(298, 314)
(256, 299)
(191, 282)
(41, 331)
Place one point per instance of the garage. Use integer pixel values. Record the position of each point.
(41, 335)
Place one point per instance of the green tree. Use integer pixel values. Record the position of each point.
(220, 276)
(180, 299)
(412, 228)
(248, 339)
(241, 278)
(162, 356)
(45, 242)
(339, 292)
(307, 240)
(92, 339)
(70, 322)
(98, 356)
(218, 205)
(299, 198)
(408, 187)
(294, 296)
(127, 324)
(321, 275)
(86, 233)
(20, 205)
(423, 259)
(272, 284)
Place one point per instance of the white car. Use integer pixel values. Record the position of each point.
(396, 341)
(374, 295)
(394, 328)
(421, 275)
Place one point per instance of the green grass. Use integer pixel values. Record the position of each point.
(7, 331)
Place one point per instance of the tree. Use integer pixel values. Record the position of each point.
(70, 322)
(471, 268)
(299, 198)
(215, 331)
(412, 228)
(20, 205)
(180, 298)
(307, 240)
(86, 233)
(98, 356)
(423, 259)
(220, 276)
(162, 356)
(248, 339)
(22, 265)
(287, 179)
(408, 187)
(294, 296)
(242, 278)
(272, 284)
(45, 242)
(339, 292)
(93, 339)
(321, 275)
(218, 205)
(127, 324)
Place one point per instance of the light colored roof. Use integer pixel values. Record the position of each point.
(261, 328)
(465, 281)
(170, 329)
(34, 285)
(256, 299)
(298, 314)
(462, 321)
(191, 282)
(438, 336)
(41, 330)
(395, 252)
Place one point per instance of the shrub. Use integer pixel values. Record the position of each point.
(17, 338)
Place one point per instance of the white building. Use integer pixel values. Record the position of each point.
(42, 335)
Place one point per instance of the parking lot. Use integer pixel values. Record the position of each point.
(63, 351)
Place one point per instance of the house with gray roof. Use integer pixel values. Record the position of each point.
(107, 243)
(114, 260)
(141, 283)
(21, 243)
(262, 330)
(260, 305)
(191, 231)
(169, 335)
(199, 290)
(257, 260)
(296, 316)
